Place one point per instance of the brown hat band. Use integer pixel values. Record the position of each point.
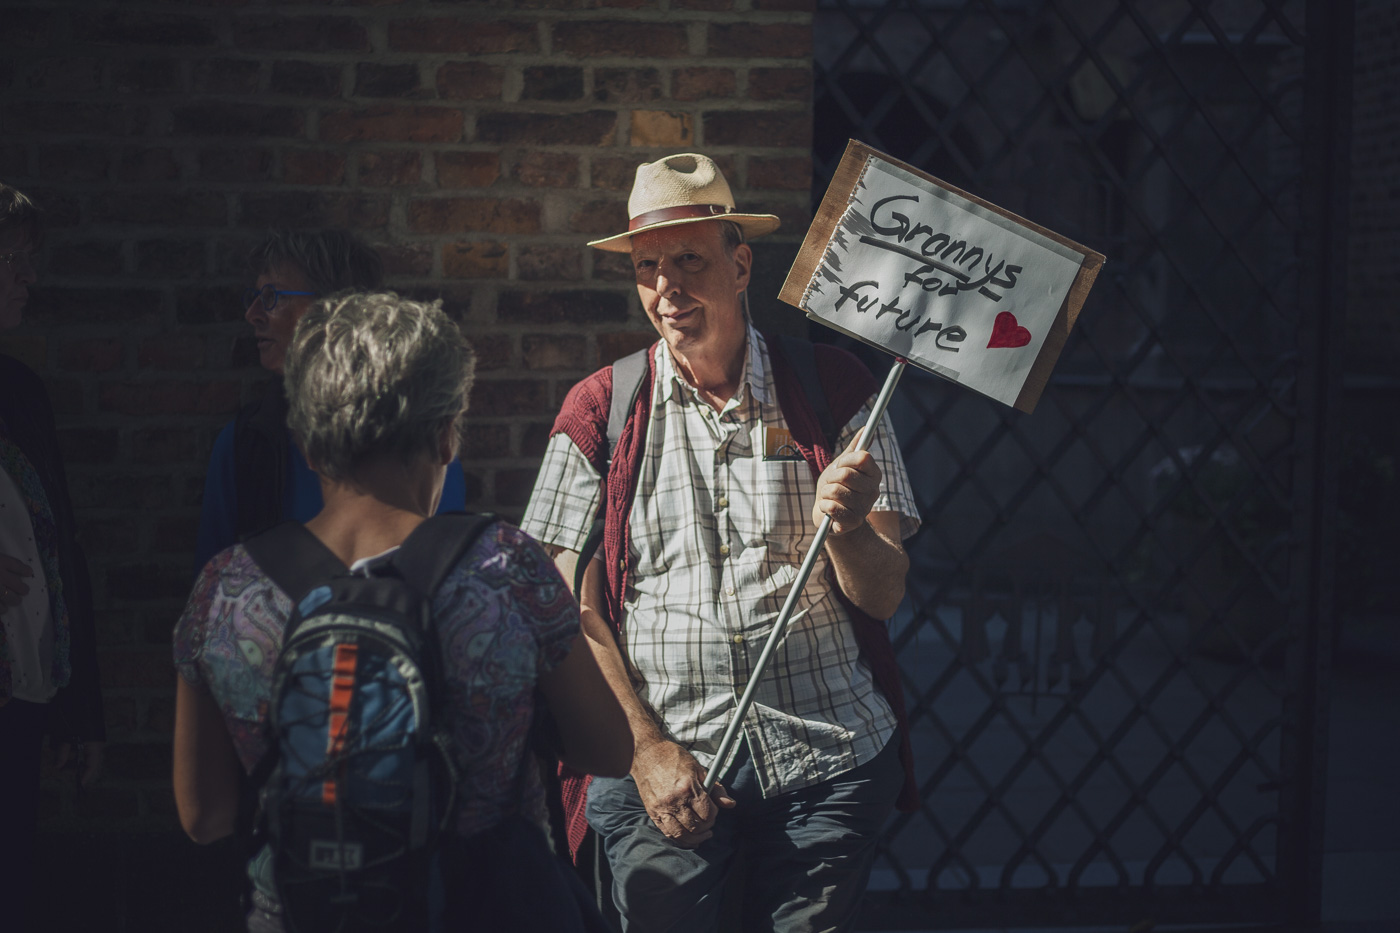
(684, 212)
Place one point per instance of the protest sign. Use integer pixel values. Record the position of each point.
(948, 281)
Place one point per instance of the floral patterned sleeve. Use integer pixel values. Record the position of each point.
(542, 596)
(189, 634)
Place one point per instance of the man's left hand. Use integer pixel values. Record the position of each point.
(847, 489)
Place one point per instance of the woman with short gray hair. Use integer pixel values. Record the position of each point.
(377, 390)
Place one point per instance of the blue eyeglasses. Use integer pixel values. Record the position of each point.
(269, 295)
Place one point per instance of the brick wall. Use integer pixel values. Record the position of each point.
(479, 144)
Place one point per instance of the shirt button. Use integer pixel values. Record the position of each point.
(729, 591)
(722, 503)
(738, 639)
(724, 550)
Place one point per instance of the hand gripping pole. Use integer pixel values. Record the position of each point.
(726, 744)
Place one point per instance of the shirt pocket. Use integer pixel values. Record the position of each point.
(783, 502)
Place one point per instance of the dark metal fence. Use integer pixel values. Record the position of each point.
(1117, 635)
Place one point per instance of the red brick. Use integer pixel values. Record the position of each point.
(462, 36)
(612, 267)
(181, 258)
(14, 160)
(470, 81)
(792, 173)
(166, 444)
(467, 169)
(494, 352)
(626, 85)
(543, 352)
(305, 79)
(615, 174)
(71, 118)
(487, 441)
(419, 124)
(753, 40)
(224, 118)
(615, 346)
(766, 128)
(535, 439)
(549, 263)
(513, 487)
(171, 351)
(375, 80)
(484, 260)
(702, 83)
(505, 397)
(85, 258)
(547, 169)
(490, 215)
(125, 28)
(406, 258)
(785, 6)
(225, 164)
(780, 83)
(709, 6)
(552, 82)
(65, 74)
(168, 398)
(599, 218)
(315, 209)
(390, 168)
(226, 76)
(300, 33)
(146, 76)
(591, 128)
(312, 167)
(560, 307)
(73, 163)
(144, 165)
(88, 445)
(92, 355)
(208, 305)
(621, 38)
(456, 299)
(163, 208)
(672, 129)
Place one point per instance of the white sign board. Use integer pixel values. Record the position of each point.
(951, 283)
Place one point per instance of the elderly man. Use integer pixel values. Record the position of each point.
(710, 497)
(257, 476)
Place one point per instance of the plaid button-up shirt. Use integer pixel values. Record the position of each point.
(718, 533)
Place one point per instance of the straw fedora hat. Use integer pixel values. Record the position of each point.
(682, 189)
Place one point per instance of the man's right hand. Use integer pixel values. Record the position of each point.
(672, 786)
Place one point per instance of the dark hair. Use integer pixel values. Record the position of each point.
(18, 212)
(332, 260)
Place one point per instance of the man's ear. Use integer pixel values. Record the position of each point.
(743, 262)
(447, 441)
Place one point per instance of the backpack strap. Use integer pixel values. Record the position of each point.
(434, 548)
(802, 357)
(628, 374)
(294, 558)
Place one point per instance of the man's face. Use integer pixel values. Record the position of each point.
(273, 329)
(690, 285)
(15, 277)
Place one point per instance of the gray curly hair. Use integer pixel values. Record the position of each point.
(374, 375)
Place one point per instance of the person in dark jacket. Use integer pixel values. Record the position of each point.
(257, 476)
(48, 659)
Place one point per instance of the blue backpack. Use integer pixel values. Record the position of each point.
(359, 781)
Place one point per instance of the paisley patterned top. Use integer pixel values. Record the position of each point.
(504, 616)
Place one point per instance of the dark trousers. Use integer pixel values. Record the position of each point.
(22, 727)
(808, 852)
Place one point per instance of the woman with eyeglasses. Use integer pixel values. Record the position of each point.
(48, 657)
(257, 476)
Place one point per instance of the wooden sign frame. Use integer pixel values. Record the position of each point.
(838, 199)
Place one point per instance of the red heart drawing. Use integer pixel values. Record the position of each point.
(1007, 333)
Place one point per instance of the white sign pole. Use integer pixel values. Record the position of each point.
(726, 744)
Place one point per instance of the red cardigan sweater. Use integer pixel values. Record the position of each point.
(584, 418)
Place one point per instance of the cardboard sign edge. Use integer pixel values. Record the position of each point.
(838, 197)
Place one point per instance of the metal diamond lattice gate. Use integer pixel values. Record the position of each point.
(1116, 631)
